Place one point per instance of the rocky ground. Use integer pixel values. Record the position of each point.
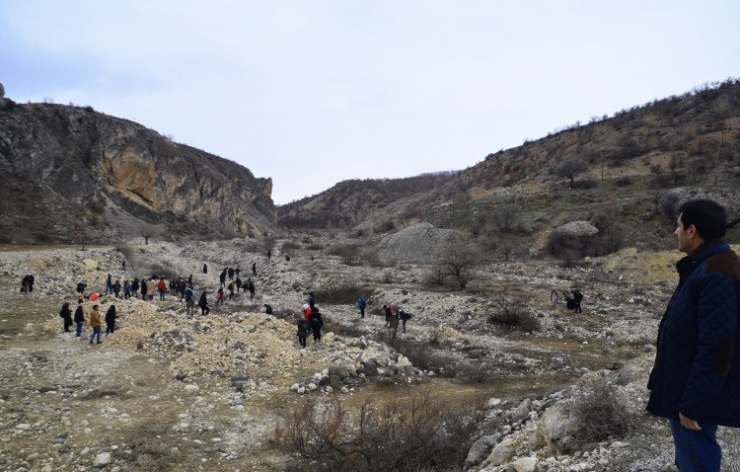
(171, 392)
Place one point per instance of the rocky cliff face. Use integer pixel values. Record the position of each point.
(72, 173)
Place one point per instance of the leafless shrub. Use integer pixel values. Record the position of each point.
(148, 451)
(459, 258)
(339, 294)
(436, 276)
(129, 255)
(599, 413)
(514, 314)
(347, 252)
(148, 231)
(397, 435)
(268, 243)
(290, 246)
(504, 216)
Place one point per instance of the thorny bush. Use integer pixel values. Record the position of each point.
(395, 435)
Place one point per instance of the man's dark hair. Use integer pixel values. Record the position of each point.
(707, 216)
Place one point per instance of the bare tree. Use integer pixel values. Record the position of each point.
(460, 256)
(504, 216)
(570, 168)
(147, 231)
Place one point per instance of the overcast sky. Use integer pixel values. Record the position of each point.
(311, 93)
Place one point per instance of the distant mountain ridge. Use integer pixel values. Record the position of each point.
(70, 173)
(691, 139)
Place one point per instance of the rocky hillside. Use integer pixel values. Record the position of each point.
(633, 158)
(71, 174)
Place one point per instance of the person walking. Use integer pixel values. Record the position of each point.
(220, 296)
(108, 284)
(110, 320)
(404, 317)
(205, 268)
(254, 269)
(695, 381)
(126, 289)
(144, 285)
(66, 315)
(222, 277)
(231, 273)
(303, 330)
(151, 287)
(135, 287)
(189, 300)
(361, 304)
(79, 318)
(95, 324)
(393, 323)
(316, 322)
(203, 303)
(388, 314)
(232, 287)
(251, 288)
(116, 288)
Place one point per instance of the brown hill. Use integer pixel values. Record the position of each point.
(627, 171)
(71, 174)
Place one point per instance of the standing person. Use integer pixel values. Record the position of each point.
(189, 300)
(577, 297)
(110, 320)
(303, 330)
(404, 317)
(117, 288)
(554, 297)
(232, 286)
(269, 254)
(222, 277)
(220, 296)
(203, 303)
(108, 284)
(181, 287)
(79, 318)
(205, 268)
(151, 287)
(66, 315)
(695, 381)
(361, 304)
(126, 289)
(251, 288)
(311, 298)
(238, 284)
(231, 273)
(162, 287)
(388, 314)
(254, 268)
(135, 287)
(236, 271)
(393, 323)
(143, 288)
(306, 311)
(316, 322)
(95, 324)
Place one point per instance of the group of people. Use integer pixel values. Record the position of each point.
(310, 321)
(95, 322)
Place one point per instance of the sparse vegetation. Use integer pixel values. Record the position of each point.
(599, 414)
(396, 435)
(514, 314)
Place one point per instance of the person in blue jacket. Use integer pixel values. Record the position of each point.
(695, 381)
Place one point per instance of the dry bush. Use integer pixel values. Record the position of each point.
(514, 314)
(599, 414)
(342, 294)
(149, 452)
(347, 252)
(397, 435)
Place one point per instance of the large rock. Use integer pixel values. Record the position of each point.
(479, 450)
(576, 229)
(556, 428)
(419, 243)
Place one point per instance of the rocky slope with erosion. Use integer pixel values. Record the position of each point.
(73, 174)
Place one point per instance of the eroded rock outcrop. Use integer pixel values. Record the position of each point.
(88, 170)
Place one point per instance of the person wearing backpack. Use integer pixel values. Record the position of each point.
(361, 304)
(66, 315)
(162, 287)
(303, 330)
(316, 322)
